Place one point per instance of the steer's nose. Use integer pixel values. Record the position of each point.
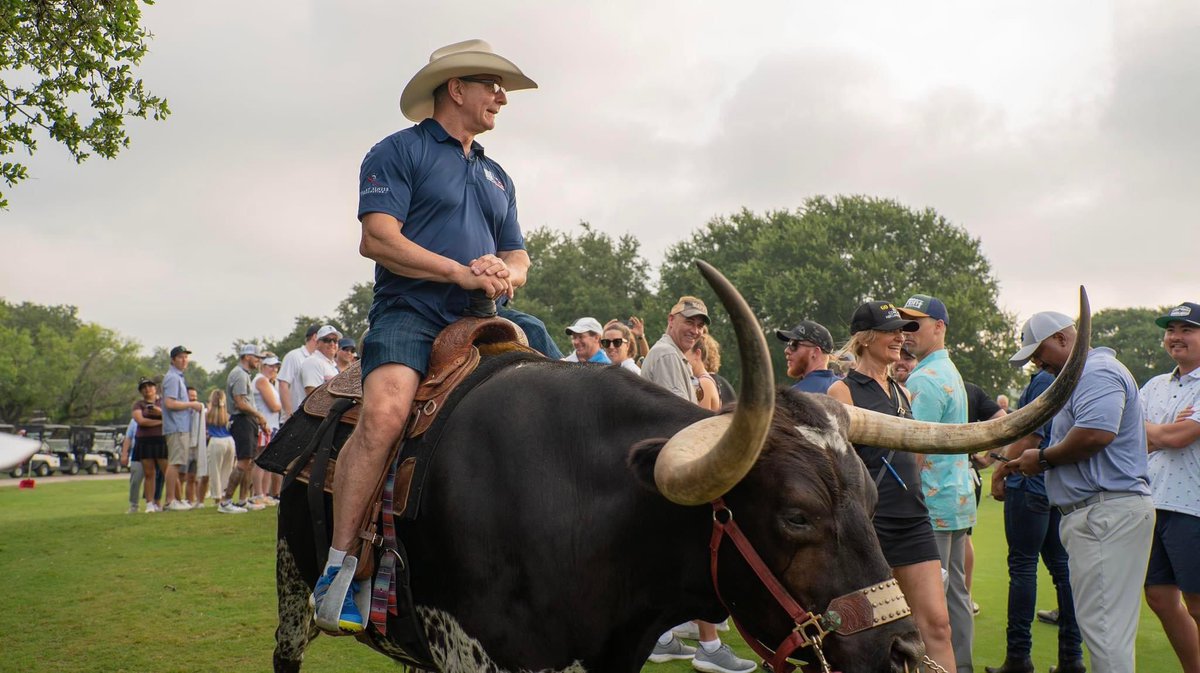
(907, 653)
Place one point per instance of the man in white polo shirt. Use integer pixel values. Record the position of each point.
(290, 392)
(1171, 403)
(320, 367)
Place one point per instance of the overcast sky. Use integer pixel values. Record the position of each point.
(1063, 135)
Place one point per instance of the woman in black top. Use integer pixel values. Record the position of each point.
(901, 519)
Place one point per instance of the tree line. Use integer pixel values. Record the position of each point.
(818, 261)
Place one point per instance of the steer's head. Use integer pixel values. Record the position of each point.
(789, 476)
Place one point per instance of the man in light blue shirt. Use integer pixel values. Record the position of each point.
(1096, 475)
(177, 426)
(938, 396)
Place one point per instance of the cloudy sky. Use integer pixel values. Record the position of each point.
(1063, 135)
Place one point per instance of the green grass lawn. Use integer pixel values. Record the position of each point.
(90, 588)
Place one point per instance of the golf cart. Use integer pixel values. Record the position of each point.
(58, 439)
(107, 443)
(83, 449)
(43, 463)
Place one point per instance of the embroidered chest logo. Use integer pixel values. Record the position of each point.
(491, 177)
(373, 185)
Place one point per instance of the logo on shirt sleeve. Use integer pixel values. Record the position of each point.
(374, 186)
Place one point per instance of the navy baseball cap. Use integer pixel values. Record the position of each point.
(924, 306)
(810, 331)
(179, 350)
(1187, 312)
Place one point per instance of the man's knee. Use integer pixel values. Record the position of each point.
(1192, 601)
(387, 400)
(1162, 598)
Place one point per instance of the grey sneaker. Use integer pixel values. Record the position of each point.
(672, 650)
(721, 661)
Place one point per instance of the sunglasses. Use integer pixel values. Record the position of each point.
(612, 343)
(794, 345)
(329, 340)
(496, 86)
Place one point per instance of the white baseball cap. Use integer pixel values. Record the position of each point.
(326, 331)
(1038, 328)
(584, 325)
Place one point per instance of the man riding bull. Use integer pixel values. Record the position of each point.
(439, 217)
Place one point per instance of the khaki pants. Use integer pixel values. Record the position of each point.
(1109, 546)
(220, 464)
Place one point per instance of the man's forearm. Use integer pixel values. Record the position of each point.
(285, 398)
(383, 243)
(1178, 435)
(518, 263)
(242, 404)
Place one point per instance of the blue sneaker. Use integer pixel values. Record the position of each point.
(333, 600)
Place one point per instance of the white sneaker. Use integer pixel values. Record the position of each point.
(178, 506)
(230, 508)
(272, 501)
(151, 508)
(199, 504)
(254, 505)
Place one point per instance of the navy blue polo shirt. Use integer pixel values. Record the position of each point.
(816, 381)
(457, 206)
(1037, 385)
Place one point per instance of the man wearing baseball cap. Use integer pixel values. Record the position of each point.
(585, 338)
(1096, 476)
(1171, 404)
(321, 367)
(807, 353)
(177, 424)
(939, 396)
(439, 218)
(245, 420)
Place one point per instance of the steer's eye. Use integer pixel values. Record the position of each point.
(797, 520)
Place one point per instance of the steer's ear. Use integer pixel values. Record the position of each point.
(642, 457)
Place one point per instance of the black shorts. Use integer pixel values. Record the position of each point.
(1173, 557)
(151, 448)
(245, 436)
(906, 541)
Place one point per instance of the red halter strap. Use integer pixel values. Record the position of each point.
(810, 629)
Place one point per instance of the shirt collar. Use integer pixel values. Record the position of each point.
(1176, 376)
(435, 129)
(930, 358)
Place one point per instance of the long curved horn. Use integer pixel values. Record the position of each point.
(704, 460)
(890, 432)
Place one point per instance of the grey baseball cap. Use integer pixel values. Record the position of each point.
(1038, 328)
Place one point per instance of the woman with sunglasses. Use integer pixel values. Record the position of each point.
(901, 519)
(617, 342)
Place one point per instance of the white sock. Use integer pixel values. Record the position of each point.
(711, 646)
(665, 639)
(336, 557)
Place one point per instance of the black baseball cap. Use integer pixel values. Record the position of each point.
(143, 382)
(1187, 312)
(312, 329)
(179, 350)
(810, 331)
(882, 316)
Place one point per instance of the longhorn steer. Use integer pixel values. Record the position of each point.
(560, 530)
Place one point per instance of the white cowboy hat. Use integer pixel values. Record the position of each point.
(471, 57)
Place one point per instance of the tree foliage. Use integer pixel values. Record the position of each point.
(1131, 332)
(589, 274)
(68, 71)
(822, 260)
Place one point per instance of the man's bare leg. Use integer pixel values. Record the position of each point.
(388, 392)
(387, 397)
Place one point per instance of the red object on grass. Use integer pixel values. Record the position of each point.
(26, 483)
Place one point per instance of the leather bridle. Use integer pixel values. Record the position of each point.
(856, 611)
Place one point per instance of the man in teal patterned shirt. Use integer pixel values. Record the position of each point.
(938, 396)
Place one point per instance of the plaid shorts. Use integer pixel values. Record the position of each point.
(399, 335)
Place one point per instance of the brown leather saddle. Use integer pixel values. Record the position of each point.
(456, 353)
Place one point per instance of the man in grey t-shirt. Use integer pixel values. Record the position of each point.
(1096, 475)
(244, 423)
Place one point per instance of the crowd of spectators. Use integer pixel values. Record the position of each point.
(182, 453)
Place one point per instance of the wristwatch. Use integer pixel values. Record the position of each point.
(1042, 462)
